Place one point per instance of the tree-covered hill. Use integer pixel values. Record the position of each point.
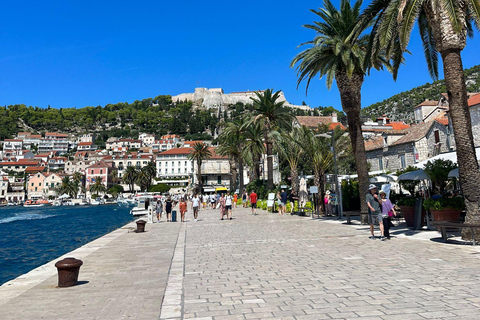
(400, 106)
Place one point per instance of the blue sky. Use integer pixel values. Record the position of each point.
(88, 53)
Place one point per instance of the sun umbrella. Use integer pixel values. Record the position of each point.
(453, 173)
(414, 175)
(302, 193)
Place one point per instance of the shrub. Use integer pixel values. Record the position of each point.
(407, 202)
(161, 188)
(442, 203)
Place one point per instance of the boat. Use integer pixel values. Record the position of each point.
(57, 203)
(83, 202)
(126, 202)
(97, 202)
(144, 203)
(37, 203)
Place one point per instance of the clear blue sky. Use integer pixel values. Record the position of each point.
(88, 53)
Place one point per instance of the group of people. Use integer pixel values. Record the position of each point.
(380, 211)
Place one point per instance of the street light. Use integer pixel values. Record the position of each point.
(338, 190)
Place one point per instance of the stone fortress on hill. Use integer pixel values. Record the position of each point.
(216, 98)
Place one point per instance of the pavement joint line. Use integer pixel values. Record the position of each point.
(15, 287)
(172, 306)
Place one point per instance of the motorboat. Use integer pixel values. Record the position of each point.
(126, 202)
(37, 203)
(57, 203)
(97, 202)
(144, 203)
(83, 202)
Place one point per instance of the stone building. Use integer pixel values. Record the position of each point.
(474, 104)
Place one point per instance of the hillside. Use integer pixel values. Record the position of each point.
(400, 106)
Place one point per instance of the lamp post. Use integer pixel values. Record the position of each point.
(337, 189)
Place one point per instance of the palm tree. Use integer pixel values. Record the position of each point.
(68, 186)
(232, 141)
(338, 55)
(444, 26)
(253, 147)
(271, 113)
(151, 172)
(143, 179)
(199, 153)
(318, 153)
(289, 148)
(98, 186)
(130, 176)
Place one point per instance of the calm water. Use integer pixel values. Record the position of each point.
(30, 237)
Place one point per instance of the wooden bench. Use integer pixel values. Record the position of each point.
(350, 214)
(444, 225)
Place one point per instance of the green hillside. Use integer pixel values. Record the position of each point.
(400, 106)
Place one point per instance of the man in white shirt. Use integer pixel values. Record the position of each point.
(195, 206)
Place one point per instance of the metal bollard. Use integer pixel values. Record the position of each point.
(68, 270)
(141, 226)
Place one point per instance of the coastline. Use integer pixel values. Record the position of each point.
(15, 287)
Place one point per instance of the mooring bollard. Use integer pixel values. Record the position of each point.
(68, 270)
(141, 226)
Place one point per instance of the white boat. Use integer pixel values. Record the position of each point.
(97, 202)
(144, 202)
(57, 203)
(83, 202)
(126, 202)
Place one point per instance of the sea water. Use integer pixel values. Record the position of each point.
(31, 237)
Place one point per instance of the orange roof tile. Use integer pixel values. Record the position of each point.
(177, 151)
(398, 125)
(374, 143)
(474, 100)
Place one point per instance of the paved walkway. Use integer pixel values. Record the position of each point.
(260, 267)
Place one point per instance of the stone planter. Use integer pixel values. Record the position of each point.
(446, 214)
(409, 215)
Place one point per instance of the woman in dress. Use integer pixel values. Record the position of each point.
(388, 212)
(223, 206)
(328, 204)
(168, 208)
(183, 208)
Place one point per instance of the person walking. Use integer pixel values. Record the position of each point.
(235, 199)
(212, 201)
(253, 202)
(292, 198)
(228, 205)
(204, 201)
(244, 198)
(388, 211)
(168, 208)
(283, 200)
(223, 206)
(159, 210)
(183, 209)
(328, 204)
(374, 211)
(195, 206)
(279, 204)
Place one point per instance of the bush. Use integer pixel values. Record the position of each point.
(457, 203)
(350, 195)
(407, 202)
(260, 187)
(161, 188)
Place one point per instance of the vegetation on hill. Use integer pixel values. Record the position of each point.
(400, 106)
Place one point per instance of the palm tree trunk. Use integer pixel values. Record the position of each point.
(468, 168)
(318, 183)
(233, 174)
(240, 172)
(294, 177)
(350, 95)
(199, 176)
(269, 165)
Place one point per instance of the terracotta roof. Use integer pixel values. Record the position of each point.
(443, 120)
(177, 151)
(427, 103)
(42, 155)
(215, 155)
(313, 121)
(56, 134)
(415, 133)
(192, 143)
(333, 125)
(16, 163)
(34, 169)
(13, 140)
(99, 164)
(85, 143)
(374, 143)
(474, 100)
(398, 125)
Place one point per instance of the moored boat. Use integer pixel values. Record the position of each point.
(37, 203)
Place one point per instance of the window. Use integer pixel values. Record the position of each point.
(380, 163)
(35, 189)
(219, 179)
(159, 171)
(91, 172)
(173, 163)
(39, 184)
(402, 161)
(101, 171)
(32, 184)
(185, 170)
(160, 164)
(185, 163)
(437, 136)
(178, 170)
(166, 171)
(179, 163)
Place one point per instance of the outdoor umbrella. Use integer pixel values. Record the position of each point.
(414, 175)
(303, 194)
(453, 173)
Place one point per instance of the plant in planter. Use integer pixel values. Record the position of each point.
(407, 206)
(445, 208)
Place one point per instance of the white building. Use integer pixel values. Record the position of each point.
(54, 141)
(147, 139)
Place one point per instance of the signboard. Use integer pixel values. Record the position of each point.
(313, 189)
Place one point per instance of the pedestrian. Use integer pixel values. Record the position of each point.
(292, 198)
(228, 205)
(223, 206)
(374, 211)
(195, 207)
(204, 201)
(168, 208)
(212, 201)
(283, 199)
(183, 208)
(235, 199)
(388, 211)
(253, 202)
(328, 204)
(244, 198)
(279, 204)
(159, 210)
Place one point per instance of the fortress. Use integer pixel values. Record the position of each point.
(215, 98)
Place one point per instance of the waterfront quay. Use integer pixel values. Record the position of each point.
(256, 267)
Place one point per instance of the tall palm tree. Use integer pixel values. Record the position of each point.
(151, 172)
(78, 178)
(444, 26)
(339, 56)
(98, 186)
(143, 179)
(271, 113)
(317, 150)
(289, 148)
(253, 147)
(129, 177)
(232, 141)
(199, 153)
(68, 186)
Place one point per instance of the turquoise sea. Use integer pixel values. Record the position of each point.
(30, 237)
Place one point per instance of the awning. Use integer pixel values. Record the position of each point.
(414, 175)
(208, 189)
(221, 189)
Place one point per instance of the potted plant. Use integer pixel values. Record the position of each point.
(445, 208)
(407, 206)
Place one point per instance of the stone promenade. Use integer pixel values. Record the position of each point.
(257, 267)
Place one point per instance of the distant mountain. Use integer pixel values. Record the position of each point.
(400, 106)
